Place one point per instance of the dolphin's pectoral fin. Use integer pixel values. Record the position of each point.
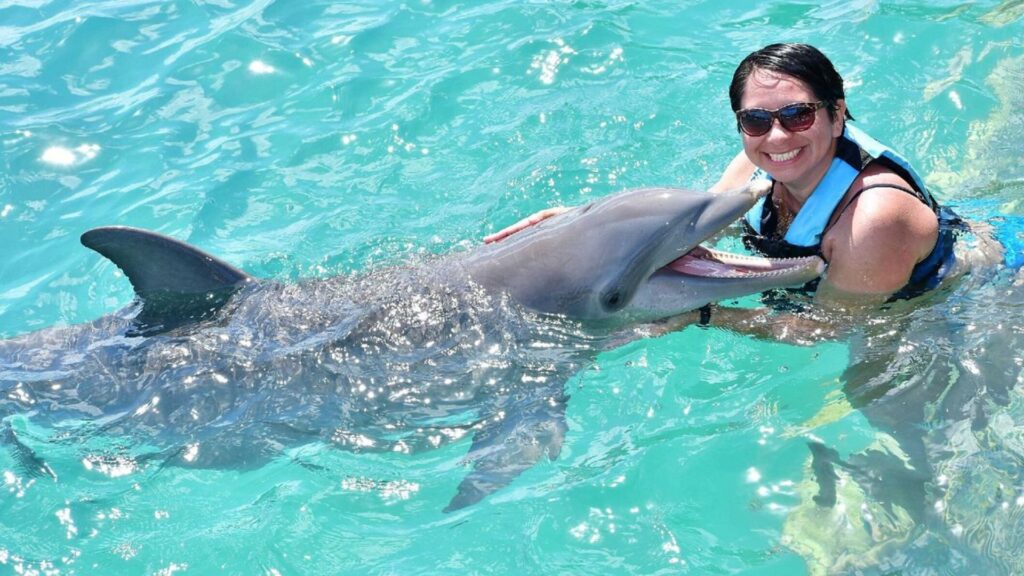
(176, 283)
(29, 462)
(508, 445)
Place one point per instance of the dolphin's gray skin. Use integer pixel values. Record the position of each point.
(608, 259)
(215, 368)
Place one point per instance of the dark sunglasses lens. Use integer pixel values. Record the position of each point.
(755, 122)
(797, 117)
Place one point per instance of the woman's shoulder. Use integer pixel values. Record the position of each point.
(883, 210)
(881, 197)
(878, 174)
(878, 191)
(878, 240)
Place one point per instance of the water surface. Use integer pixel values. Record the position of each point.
(322, 138)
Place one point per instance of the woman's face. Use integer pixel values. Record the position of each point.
(797, 159)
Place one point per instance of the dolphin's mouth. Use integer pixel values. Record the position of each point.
(708, 263)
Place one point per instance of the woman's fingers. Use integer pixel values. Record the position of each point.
(525, 223)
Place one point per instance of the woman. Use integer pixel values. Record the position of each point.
(836, 192)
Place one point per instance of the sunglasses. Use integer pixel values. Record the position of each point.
(793, 117)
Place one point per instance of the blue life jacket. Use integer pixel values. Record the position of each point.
(854, 151)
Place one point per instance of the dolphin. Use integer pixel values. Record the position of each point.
(210, 366)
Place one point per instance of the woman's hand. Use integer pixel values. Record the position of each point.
(525, 223)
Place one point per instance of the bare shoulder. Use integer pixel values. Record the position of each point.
(876, 242)
(736, 174)
(886, 208)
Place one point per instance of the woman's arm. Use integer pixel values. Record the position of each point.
(760, 323)
(525, 223)
(736, 174)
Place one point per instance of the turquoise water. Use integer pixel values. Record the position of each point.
(313, 139)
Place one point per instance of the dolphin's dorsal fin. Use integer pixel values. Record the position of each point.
(177, 283)
(157, 263)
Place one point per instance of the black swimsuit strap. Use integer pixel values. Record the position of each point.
(857, 194)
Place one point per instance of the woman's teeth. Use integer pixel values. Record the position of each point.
(785, 156)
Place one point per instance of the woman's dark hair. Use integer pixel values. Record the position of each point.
(801, 61)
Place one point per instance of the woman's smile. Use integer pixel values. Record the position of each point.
(783, 157)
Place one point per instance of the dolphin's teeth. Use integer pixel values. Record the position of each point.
(708, 263)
